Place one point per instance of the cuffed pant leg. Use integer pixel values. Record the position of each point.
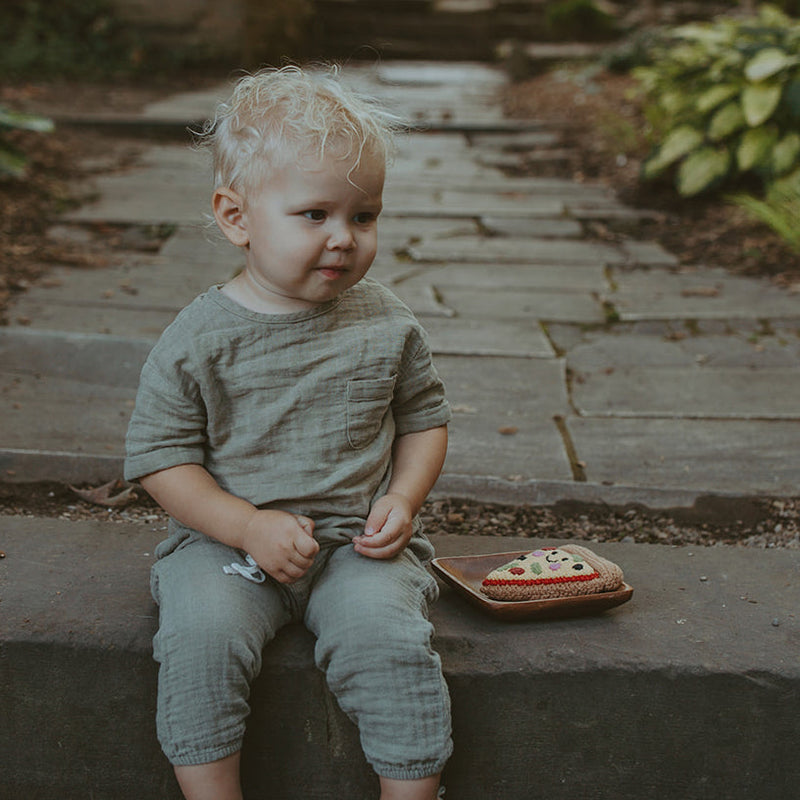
(374, 644)
(213, 628)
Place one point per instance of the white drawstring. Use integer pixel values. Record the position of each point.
(252, 571)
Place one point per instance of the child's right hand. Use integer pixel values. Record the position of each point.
(282, 544)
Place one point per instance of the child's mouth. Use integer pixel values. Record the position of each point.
(331, 273)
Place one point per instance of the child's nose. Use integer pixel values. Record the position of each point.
(341, 237)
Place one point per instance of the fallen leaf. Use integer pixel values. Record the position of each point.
(507, 430)
(101, 495)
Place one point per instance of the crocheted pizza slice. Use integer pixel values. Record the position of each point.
(552, 572)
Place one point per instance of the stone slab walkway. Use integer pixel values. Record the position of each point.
(690, 391)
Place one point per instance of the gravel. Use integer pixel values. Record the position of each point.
(751, 522)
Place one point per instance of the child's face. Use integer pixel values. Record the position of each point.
(310, 231)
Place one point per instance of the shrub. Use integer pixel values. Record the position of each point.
(727, 94)
(68, 38)
(579, 19)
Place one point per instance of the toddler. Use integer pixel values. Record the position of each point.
(291, 423)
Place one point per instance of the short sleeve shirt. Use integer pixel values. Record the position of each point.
(291, 411)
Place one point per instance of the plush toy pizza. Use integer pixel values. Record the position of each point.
(552, 572)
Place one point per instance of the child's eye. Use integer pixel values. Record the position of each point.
(365, 218)
(315, 215)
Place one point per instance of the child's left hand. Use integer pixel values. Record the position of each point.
(388, 529)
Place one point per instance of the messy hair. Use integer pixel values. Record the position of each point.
(277, 114)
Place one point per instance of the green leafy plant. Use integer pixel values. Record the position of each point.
(727, 97)
(779, 209)
(12, 160)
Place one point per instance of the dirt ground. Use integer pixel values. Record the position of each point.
(596, 118)
(760, 522)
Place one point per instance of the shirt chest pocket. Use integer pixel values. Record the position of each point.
(368, 401)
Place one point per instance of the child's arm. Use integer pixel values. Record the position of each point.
(417, 461)
(282, 544)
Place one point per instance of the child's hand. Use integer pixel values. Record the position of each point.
(388, 529)
(282, 544)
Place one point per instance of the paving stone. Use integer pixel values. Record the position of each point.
(703, 294)
(610, 211)
(101, 318)
(555, 228)
(390, 270)
(410, 86)
(105, 360)
(152, 283)
(396, 234)
(469, 337)
(417, 151)
(421, 201)
(427, 73)
(519, 396)
(183, 107)
(511, 142)
(66, 399)
(170, 184)
(553, 305)
(648, 254)
(423, 299)
(635, 374)
(460, 171)
(748, 457)
(493, 276)
(690, 392)
(463, 6)
(439, 105)
(70, 414)
(489, 249)
(200, 244)
(500, 161)
(599, 350)
(566, 189)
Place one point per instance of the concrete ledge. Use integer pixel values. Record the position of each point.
(691, 690)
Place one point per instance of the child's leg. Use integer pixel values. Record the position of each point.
(374, 643)
(213, 628)
(218, 780)
(422, 789)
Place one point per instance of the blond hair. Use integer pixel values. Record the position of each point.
(275, 115)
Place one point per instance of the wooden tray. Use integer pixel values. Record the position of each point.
(465, 574)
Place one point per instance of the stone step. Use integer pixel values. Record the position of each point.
(687, 691)
(440, 30)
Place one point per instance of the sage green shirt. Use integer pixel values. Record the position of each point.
(292, 411)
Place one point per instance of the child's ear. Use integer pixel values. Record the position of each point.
(229, 213)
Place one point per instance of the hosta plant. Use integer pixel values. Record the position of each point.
(726, 95)
(779, 209)
(12, 160)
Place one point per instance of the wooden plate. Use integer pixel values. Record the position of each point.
(465, 574)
